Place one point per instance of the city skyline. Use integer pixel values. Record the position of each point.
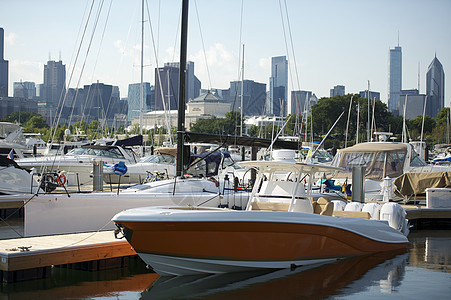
(335, 42)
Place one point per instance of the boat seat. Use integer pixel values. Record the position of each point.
(323, 206)
(272, 206)
(352, 214)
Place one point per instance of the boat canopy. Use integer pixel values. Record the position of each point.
(409, 184)
(380, 159)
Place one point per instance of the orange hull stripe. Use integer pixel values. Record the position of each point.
(250, 240)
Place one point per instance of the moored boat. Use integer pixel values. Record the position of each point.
(279, 229)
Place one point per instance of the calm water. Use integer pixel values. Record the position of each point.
(423, 271)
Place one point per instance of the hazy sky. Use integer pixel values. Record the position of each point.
(331, 43)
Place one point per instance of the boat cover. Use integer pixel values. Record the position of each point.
(416, 183)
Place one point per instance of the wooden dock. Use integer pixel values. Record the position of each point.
(31, 258)
(421, 217)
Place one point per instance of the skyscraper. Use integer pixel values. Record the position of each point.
(54, 86)
(168, 90)
(394, 78)
(338, 90)
(435, 88)
(254, 97)
(3, 68)
(278, 86)
(300, 102)
(134, 99)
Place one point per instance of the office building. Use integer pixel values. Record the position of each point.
(167, 85)
(300, 102)
(3, 67)
(435, 88)
(414, 101)
(54, 86)
(24, 89)
(134, 99)
(394, 79)
(254, 97)
(373, 95)
(338, 90)
(278, 86)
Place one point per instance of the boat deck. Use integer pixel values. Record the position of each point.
(31, 258)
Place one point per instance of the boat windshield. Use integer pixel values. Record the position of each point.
(377, 164)
(111, 152)
(158, 159)
(418, 162)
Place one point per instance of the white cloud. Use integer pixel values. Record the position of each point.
(10, 39)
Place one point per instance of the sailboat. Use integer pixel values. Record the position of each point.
(279, 228)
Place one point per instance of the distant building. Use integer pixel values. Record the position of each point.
(167, 85)
(3, 67)
(338, 90)
(254, 97)
(134, 99)
(394, 79)
(435, 88)
(278, 86)
(373, 95)
(415, 103)
(300, 102)
(54, 86)
(205, 106)
(24, 89)
(9, 105)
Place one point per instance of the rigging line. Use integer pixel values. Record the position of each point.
(168, 126)
(52, 135)
(96, 21)
(74, 51)
(203, 45)
(95, 65)
(89, 46)
(86, 56)
(89, 236)
(177, 33)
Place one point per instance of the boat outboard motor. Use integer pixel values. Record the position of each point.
(396, 217)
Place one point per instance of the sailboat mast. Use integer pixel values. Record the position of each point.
(242, 92)
(141, 86)
(181, 108)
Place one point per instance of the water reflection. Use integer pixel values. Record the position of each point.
(421, 272)
(349, 276)
(431, 249)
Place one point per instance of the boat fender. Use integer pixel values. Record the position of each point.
(354, 206)
(374, 209)
(61, 179)
(339, 205)
(395, 215)
(120, 168)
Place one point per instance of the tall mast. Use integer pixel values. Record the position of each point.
(242, 92)
(181, 108)
(141, 87)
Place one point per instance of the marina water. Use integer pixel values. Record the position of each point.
(423, 271)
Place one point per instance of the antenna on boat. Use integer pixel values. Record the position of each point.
(181, 108)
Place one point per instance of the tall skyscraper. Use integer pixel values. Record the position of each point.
(278, 86)
(394, 79)
(3, 67)
(134, 99)
(168, 90)
(435, 88)
(338, 90)
(54, 87)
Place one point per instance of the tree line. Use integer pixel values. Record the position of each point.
(320, 119)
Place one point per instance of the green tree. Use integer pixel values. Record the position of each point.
(35, 124)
